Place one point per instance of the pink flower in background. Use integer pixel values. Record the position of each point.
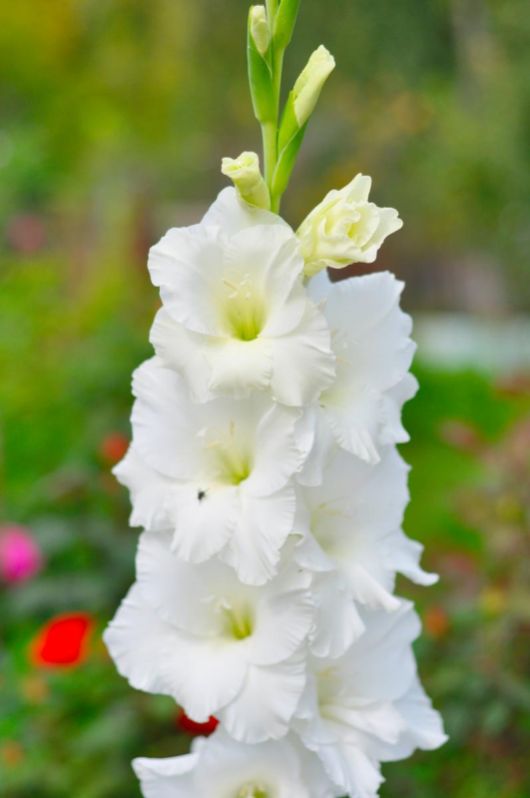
(20, 556)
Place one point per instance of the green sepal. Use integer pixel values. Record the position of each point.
(286, 162)
(289, 126)
(285, 21)
(260, 81)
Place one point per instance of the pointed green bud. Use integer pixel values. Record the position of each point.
(259, 28)
(285, 21)
(307, 88)
(304, 95)
(246, 176)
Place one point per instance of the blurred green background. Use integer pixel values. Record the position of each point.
(115, 115)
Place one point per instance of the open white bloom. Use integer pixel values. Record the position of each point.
(353, 540)
(345, 228)
(373, 349)
(221, 768)
(235, 314)
(217, 474)
(218, 647)
(368, 706)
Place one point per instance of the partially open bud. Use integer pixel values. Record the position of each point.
(298, 108)
(307, 88)
(259, 28)
(246, 176)
(345, 228)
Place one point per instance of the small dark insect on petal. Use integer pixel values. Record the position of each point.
(201, 494)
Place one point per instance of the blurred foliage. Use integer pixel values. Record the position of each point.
(113, 111)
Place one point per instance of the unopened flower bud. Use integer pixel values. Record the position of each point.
(246, 176)
(259, 28)
(307, 88)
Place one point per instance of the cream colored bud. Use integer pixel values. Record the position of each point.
(246, 176)
(307, 88)
(259, 28)
(345, 228)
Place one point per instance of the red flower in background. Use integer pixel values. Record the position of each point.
(191, 727)
(20, 556)
(113, 447)
(63, 641)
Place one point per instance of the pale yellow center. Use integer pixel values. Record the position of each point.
(244, 310)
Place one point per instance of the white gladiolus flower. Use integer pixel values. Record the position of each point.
(353, 540)
(368, 707)
(235, 315)
(345, 228)
(221, 768)
(218, 647)
(373, 349)
(217, 474)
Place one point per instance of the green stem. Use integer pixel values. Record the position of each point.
(270, 129)
(269, 133)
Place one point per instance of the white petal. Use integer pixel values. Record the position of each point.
(262, 529)
(180, 593)
(423, 727)
(303, 364)
(279, 451)
(150, 492)
(186, 265)
(283, 621)
(403, 555)
(137, 640)
(380, 665)
(166, 778)
(162, 428)
(206, 520)
(269, 256)
(267, 702)
(232, 215)
(206, 675)
(183, 350)
(352, 770)
(238, 366)
(338, 622)
(354, 417)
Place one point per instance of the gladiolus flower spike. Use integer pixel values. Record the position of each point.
(264, 474)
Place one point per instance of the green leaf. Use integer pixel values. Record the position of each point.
(260, 81)
(286, 162)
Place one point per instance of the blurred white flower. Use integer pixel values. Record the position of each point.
(218, 647)
(217, 474)
(368, 707)
(235, 315)
(221, 768)
(373, 350)
(345, 228)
